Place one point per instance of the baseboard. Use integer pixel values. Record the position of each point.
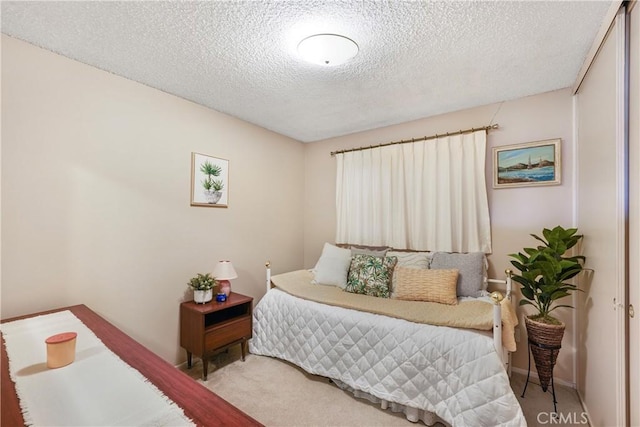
(555, 380)
(584, 406)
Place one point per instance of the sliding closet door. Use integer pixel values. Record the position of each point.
(634, 214)
(601, 218)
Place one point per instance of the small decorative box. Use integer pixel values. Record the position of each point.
(221, 297)
(61, 349)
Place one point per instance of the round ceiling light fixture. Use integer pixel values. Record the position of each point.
(327, 49)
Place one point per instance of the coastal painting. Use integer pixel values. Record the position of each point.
(530, 164)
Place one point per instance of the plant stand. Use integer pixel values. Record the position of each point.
(552, 362)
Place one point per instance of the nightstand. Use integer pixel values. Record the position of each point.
(206, 329)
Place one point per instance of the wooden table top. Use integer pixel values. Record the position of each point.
(200, 404)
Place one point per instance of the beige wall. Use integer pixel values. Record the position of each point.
(515, 212)
(95, 196)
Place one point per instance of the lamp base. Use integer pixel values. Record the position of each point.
(225, 287)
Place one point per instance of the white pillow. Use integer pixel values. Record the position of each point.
(333, 266)
(419, 260)
(411, 259)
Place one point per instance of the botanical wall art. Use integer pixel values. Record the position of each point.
(209, 181)
(529, 164)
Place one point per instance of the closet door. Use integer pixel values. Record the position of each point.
(634, 214)
(600, 211)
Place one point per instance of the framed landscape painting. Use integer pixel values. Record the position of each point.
(209, 181)
(530, 164)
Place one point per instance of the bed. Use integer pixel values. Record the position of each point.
(199, 404)
(381, 349)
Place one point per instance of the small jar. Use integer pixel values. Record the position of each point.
(221, 297)
(61, 349)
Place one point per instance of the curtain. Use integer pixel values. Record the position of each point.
(425, 195)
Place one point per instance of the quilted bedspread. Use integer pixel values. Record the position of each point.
(454, 373)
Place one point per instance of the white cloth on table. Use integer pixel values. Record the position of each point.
(98, 388)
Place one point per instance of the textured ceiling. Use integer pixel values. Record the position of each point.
(416, 59)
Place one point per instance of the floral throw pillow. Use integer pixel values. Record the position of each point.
(370, 275)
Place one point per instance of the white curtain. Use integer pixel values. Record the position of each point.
(426, 195)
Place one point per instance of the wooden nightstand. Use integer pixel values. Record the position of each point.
(206, 329)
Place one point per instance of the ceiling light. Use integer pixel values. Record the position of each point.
(327, 49)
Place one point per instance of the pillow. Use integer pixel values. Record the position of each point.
(408, 259)
(470, 268)
(332, 267)
(362, 251)
(412, 259)
(354, 246)
(418, 284)
(485, 274)
(370, 275)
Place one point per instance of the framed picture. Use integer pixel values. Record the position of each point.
(209, 181)
(530, 164)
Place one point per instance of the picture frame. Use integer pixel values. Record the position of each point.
(530, 164)
(209, 181)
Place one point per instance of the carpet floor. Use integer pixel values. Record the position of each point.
(277, 393)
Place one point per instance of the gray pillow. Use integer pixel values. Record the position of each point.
(470, 271)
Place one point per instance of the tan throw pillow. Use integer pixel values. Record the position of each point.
(408, 259)
(417, 284)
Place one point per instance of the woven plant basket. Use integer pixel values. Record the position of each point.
(544, 358)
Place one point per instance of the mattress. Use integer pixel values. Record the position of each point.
(454, 373)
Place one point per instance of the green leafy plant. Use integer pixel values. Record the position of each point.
(545, 270)
(217, 185)
(207, 184)
(202, 282)
(211, 170)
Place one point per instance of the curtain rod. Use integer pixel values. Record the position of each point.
(424, 138)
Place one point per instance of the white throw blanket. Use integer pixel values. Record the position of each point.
(97, 389)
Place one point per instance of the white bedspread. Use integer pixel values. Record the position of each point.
(97, 389)
(454, 373)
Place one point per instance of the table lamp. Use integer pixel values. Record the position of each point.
(224, 271)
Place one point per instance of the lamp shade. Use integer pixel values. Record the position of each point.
(224, 271)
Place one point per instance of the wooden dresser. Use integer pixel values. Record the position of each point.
(206, 329)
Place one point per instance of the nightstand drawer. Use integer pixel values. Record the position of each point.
(223, 334)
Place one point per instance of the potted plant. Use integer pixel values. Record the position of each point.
(217, 185)
(544, 272)
(202, 286)
(212, 187)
